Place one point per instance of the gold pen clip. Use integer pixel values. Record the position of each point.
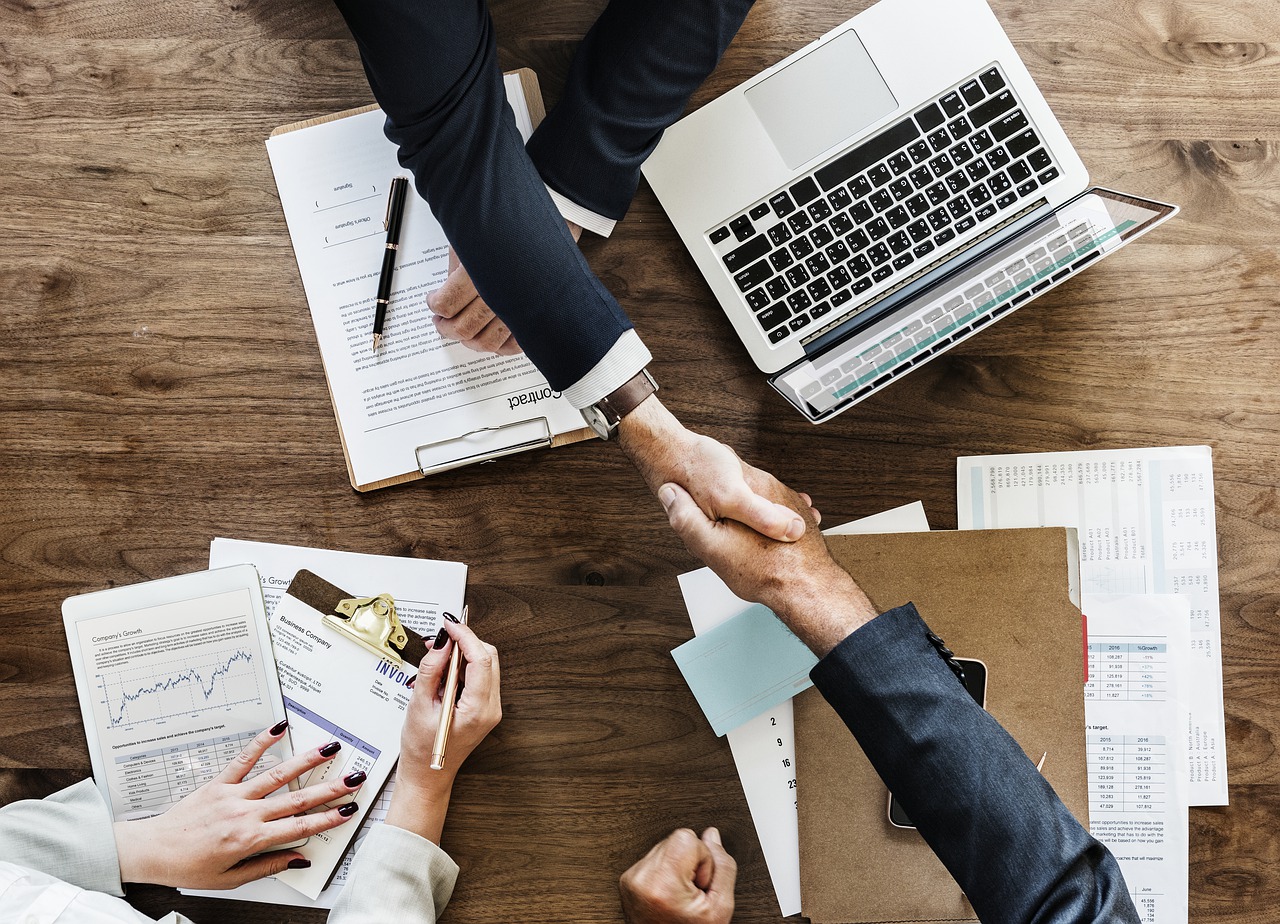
(391, 195)
(372, 623)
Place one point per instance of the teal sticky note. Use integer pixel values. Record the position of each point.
(744, 666)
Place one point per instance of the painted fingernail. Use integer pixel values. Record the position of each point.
(346, 811)
(441, 638)
(279, 727)
(451, 617)
(299, 863)
(354, 779)
(330, 749)
(411, 681)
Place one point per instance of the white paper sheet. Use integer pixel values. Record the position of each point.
(1146, 524)
(764, 748)
(405, 579)
(420, 388)
(1135, 717)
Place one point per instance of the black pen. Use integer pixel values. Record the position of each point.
(395, 212)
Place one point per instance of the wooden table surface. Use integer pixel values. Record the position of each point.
(160, 385)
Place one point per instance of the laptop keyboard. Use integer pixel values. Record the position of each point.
(882, 211)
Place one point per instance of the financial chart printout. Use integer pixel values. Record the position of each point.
(177, 691)
(1146, 524)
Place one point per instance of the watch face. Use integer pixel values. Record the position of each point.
(596, 419)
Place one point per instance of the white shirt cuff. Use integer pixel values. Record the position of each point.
(587, 219)
(617, 367)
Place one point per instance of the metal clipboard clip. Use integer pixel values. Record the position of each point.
(483, 445)
(372, 623)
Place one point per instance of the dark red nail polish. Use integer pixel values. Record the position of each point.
(441, 637)
(411, 681)
(346, 811)
(330, 749)
(299, 863)
(451, 618)
(279, 727)
(354, 779)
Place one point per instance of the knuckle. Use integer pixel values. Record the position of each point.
(297, 801)
(277, 776)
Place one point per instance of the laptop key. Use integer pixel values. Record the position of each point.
(878, 254)
(800, 222)
(820, 210)
(857, 240)
(920, 152)
(782, 205)
(881, 200)
(899, 163)
(899, 243)
(1028, 188)
(719, 234)
(919, 231)
(952, 104)
(816, 312)
(921, 177)
(985, 212)
(882, 274)
(863, 156)
(878, 229)
(965, 224)
(859, 266)
(742, 227)
(861, 285)
(961, 153)
(861, 212)
(960, 128)
(922, 248)
(941, 165)
(757, 299)
(759, 211)
(747, 254)
(804, 191)
(897, 217)
(979, 194)
(981, 141)
(780, 334)
(840, 199)
(937, 194)
(956, 182)
(879, 175)
(944, 236)
(972, 92)
(901, 188)
(773, 316)
(903, 261)
(797, 276)
(838, 278)
(1039, 160)
(801, 247)
(860, 186)
(930, 117)
(1022, 142)
(777, 287)
(999, 183)
(779, 234)
(1048, 176)
(992, 80)
(817, 264)
(753, 275)
(917, 205)
(959, 207)
(1010, 125)
(841, 297)
(838, 252)
(939, 140)
(842, 224)
(799, 300)
(781, 259)
(819, 289)
(939, 219)
(821, 236)
(1019, 172)
(798, 322)
(998, 105)
(978, 170)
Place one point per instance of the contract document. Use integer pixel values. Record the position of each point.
(1146, 523)
(422, 403)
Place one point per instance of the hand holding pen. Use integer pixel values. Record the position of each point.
(395, 215)
(422, 794)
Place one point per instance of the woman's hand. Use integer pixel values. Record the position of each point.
(421, 796)
(208, 840)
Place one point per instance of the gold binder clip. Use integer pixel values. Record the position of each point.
(373, 623)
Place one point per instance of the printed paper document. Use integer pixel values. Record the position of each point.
(1146, 523)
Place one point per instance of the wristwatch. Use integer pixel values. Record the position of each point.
(605, 415)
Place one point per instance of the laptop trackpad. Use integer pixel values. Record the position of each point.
(816, 102)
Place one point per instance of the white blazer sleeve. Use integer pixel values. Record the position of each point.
(397, 876)
(67, 835)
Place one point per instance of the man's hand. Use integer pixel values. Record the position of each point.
(684, 879)
(461, 314)
(799, 581)
(724, 487)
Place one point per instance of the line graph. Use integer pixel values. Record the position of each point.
(180, 687)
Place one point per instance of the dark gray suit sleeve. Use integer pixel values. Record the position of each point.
(977, 800)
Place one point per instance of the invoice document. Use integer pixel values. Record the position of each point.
(1135, 707)
(1146, 523)
(422, 400)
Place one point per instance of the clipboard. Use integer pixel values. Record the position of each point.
(345, 664)
(476, 445)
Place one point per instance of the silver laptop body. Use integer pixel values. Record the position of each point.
(880, 195)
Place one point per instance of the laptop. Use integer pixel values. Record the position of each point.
(881, 195)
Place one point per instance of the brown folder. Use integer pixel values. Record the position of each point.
(1000, 596)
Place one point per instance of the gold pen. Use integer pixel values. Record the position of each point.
(449, 702)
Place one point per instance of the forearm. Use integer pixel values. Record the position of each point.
(68, 835)
(974, 796)
(421, 807)
(433, 68)
(631, 77)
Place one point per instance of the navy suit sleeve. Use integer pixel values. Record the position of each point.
(995, 823)
(631, 77)
(432, 65)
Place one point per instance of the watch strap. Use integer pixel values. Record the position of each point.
(627, 397)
